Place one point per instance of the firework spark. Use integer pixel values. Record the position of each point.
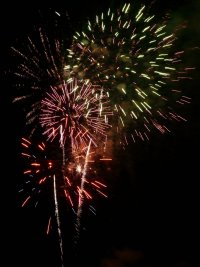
(38, 170)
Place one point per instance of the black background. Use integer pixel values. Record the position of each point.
(151, 217)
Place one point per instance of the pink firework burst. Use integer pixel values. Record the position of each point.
(75, 111)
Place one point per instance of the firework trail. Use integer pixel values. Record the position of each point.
(58, 221)
(133, 57)
(81, 197)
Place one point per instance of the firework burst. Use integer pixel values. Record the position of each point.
(75, 111)
(134, 58)
(77, 178)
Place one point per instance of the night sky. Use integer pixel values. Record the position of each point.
(151, 217)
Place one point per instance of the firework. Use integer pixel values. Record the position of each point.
(76, 177)
(75, 111)
(134, 58)
(74, 180)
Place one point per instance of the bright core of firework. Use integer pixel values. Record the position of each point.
(134, 59)
(81, 178)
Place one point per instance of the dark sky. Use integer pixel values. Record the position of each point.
(151, 217)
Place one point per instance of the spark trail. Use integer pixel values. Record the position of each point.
(58, 220)
(81, 197)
